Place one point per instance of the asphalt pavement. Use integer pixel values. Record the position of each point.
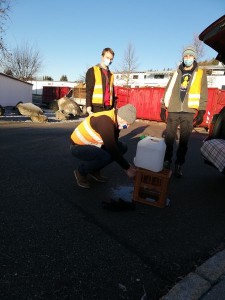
(57, 241)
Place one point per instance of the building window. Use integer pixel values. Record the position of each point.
(135, 76)
(158, 76)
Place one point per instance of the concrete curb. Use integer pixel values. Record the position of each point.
(198, 283)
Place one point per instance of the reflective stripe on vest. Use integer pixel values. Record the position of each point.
(169, 90)
(84, 134)
(194, 91)
(97, 97)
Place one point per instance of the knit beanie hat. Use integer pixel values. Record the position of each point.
(190, 50)
(127, 113)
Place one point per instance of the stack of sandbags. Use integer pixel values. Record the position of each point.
(68, 109)
(33, 111)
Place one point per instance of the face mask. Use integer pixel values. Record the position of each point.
(122, 126)
(107, 62)
(188, 62)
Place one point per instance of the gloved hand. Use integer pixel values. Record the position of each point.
(163, 114)
(89, 110)
(131, 172)
(199, 118)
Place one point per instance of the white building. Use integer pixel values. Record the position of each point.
(13, 90)
(215, 77)
(38, 85)
(143, 79)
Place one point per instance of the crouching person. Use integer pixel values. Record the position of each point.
(95, 142)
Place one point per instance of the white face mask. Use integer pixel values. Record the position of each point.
(107, 62)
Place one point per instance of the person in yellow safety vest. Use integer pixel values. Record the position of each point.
(95, 142)
(185, 99)
(100, 84)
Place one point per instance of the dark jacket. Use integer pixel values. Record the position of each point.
(90, 83)
(109, 133)
(175, 103)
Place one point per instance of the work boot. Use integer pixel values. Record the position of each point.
(82, 181)
(96, 175)
(166, 165)
(178, 172)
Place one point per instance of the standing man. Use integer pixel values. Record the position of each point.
(185, 94)
(100, 84)
(95, 143)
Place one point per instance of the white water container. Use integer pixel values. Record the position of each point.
(150, 154)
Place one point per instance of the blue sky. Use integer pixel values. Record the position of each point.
(71, 34)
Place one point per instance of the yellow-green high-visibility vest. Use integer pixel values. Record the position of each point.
(97, 97)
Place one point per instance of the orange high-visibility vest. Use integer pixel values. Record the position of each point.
(97, 97)
(84, 134)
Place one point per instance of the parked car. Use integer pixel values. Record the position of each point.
(214, 37)
(213, 148)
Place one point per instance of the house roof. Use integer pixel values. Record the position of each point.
(13, 78)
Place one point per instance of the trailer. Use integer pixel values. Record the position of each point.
(51, 93)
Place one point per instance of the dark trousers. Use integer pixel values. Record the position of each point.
(185, 121)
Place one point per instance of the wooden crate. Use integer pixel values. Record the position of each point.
(79, 92)
(151, 188)
(79, 95)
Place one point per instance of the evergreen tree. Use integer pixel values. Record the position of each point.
(63, 78)
(47, 78)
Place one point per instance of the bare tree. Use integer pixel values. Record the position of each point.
(199, 46)
(4, 10)
(129, 64)
(23, 62)
(82, 77)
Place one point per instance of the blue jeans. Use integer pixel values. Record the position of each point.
(94, 158)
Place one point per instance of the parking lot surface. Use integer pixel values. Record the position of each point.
(57, 242)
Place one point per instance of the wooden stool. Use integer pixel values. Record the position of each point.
(151, 188)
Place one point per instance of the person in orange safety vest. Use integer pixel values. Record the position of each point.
(95, 142)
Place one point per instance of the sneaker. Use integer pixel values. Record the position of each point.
(178, 172)
(82, 181)
(166, 165)
(96, 175)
